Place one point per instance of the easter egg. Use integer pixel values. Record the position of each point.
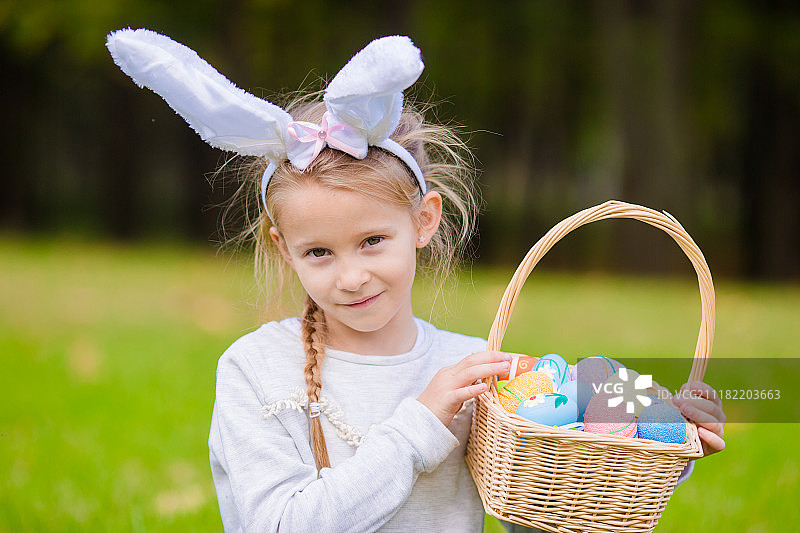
(554, 366)
(579, 394)
(596, 370)
(663, 423)
(550, 409)
(522, 387)
(602, 419)
(572, 376)
(519, 365)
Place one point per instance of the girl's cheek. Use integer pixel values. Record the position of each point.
(398, 264)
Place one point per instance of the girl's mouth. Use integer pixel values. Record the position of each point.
(364, 302)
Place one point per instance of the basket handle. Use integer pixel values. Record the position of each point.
(615, 209)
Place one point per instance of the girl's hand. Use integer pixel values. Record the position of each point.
(701, 404)
(453, 385)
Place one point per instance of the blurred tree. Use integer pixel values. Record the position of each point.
(687, 106)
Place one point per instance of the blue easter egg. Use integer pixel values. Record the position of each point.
(550, 409)
(554, 366)
(579, 394)
(663, 423)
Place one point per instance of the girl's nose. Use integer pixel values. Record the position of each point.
(351, 275)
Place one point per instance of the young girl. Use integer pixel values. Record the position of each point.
(354, 416)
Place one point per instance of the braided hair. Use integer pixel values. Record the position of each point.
(313, 331)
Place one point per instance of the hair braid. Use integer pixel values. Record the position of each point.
(314, 330)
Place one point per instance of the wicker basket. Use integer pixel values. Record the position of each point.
(564, 480)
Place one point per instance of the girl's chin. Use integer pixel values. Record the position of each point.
(372, 321)
(376, 318)
(361, 326)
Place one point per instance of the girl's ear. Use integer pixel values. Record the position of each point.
(429, 217)
(280, 242)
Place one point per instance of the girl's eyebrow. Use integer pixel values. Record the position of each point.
(379, 230)
(307, 245)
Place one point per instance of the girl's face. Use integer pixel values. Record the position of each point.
(356, 258)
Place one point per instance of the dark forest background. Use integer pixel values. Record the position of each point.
(687, 106)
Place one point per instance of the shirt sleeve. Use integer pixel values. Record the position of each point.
(273, 489)
(687, 471)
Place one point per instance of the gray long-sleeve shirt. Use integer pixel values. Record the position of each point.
(396, 467)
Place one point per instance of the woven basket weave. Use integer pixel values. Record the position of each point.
(570, 481)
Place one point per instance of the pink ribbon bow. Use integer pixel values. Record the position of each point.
(330, 132)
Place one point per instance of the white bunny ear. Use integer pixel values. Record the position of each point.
(222, 114)
(368, 92)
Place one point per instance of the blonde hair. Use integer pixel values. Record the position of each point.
(448, 168)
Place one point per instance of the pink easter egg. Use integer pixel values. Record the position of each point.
(602, 419)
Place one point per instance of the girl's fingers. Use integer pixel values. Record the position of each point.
(463, 394)
(702, 396)
(482, 358)
(473, 373)
(477, 366)
(712, 443)
(701, 404)
(702, 418)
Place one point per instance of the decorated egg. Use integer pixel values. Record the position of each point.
(596, 369)
(519, 365)
(522, 387)
(550, 409)
(579, 394)
(554, 366)
(571, 376)
(602, 419)
(663, 423)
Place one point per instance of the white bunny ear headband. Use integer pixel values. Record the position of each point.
(363, 101)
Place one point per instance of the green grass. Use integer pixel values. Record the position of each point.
(109, 353)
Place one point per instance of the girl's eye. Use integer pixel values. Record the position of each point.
(372, 241)
(318, 252)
